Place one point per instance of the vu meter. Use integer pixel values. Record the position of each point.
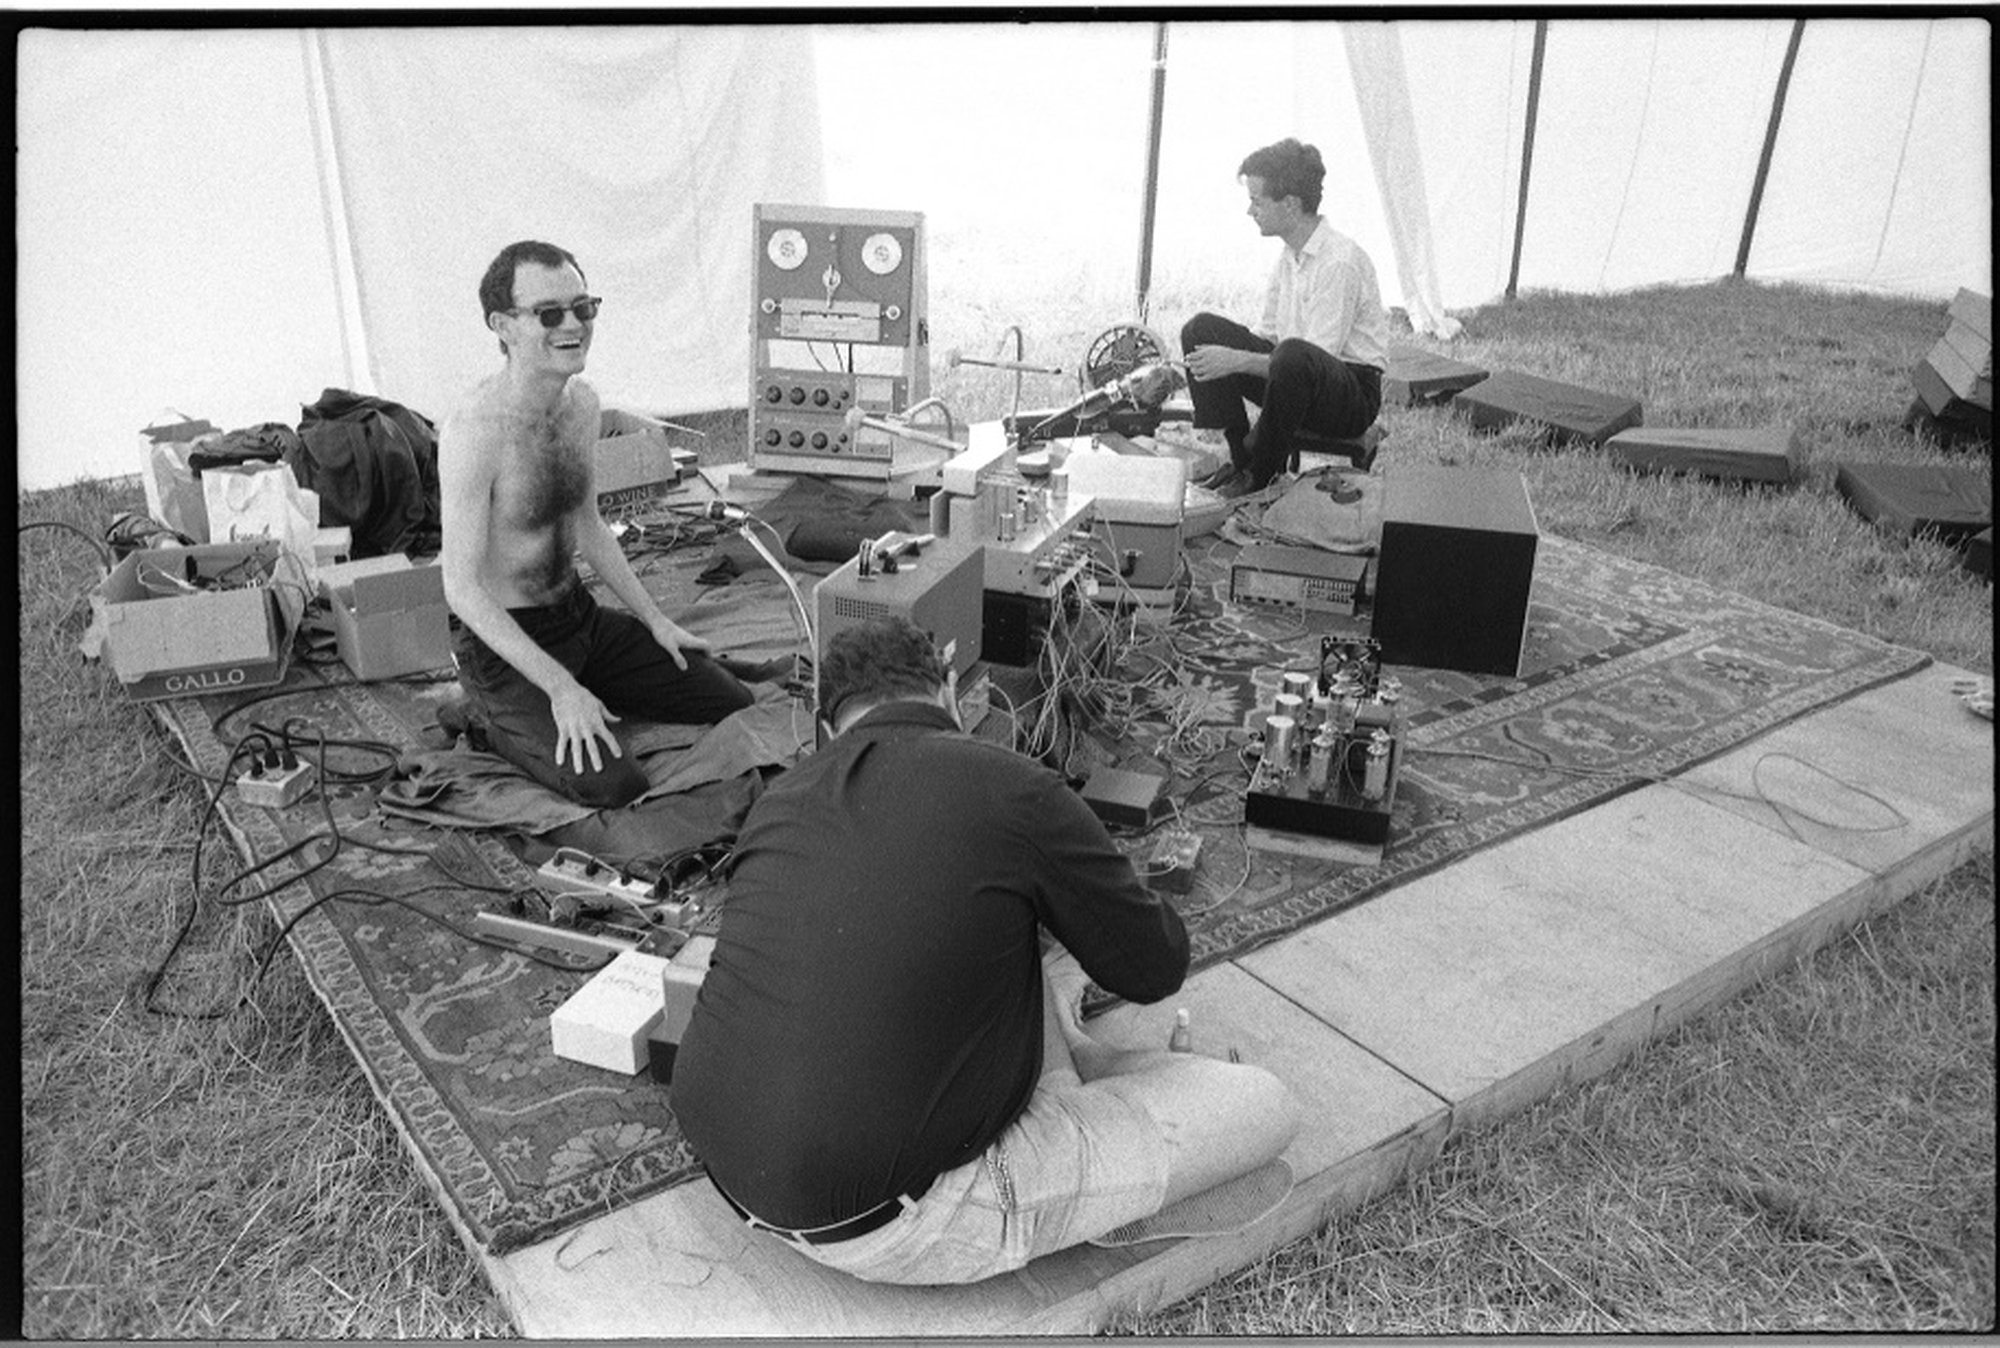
(837, 321)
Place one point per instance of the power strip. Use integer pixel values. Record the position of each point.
(574, 869)
(276, 788)
(578, 872)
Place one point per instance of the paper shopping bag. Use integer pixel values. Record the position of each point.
(262, 500)
(173, 488)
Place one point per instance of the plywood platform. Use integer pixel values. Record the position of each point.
(1445, 1005)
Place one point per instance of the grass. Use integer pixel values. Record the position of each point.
(1816, 1154)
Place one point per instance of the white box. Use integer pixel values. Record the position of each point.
(1141, 503)
(609, 1019)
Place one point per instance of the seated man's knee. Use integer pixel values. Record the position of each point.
(1267, 1099)
(1199, 331)
(729, 693)
(617, 784)
(1293, 358)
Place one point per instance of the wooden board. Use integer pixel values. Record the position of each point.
(1977, 554)
(1881, 780)
(1496, 978)
(1948, 502)
(681, 1265)
(1977, 350)
(1754, 454)
(1569, 412)
(1418, 376)
(1959, 375)
(1975, 311)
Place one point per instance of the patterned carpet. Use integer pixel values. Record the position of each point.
(1630, 673)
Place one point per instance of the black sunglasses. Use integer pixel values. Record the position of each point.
(551, 315)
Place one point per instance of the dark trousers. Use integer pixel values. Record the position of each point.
(1308, 390)
(612, 654)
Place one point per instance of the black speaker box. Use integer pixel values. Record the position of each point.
(1456, 564)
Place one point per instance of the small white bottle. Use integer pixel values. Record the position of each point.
(1182, 1039)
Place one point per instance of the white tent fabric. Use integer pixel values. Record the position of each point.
(185, 241)
(641, 150)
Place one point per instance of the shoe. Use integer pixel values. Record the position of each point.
(1214, 480)
(1240, 486)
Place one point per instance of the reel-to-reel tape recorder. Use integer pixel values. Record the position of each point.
(838, 320)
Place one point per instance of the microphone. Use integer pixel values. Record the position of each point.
(1146, 387)
(856, 417)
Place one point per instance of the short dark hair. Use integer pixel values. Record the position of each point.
(1288, 169)
(496, 288)
(878, 661)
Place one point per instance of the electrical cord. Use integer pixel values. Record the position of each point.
(1758, 795)
(336, 840)
(103, 553)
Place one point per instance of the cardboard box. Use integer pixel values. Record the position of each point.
(606, 1023)
(636, 467)
(332, 545)
(215, 618)
(680, 984)
(389, 616)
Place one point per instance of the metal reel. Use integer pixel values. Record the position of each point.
(1116, 352)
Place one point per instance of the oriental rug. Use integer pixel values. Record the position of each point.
(1630, 674)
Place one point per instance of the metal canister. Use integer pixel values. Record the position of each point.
(1319, 767)
(1288, 704)
(1278, 745)
(1298, 683)
(1375, 775)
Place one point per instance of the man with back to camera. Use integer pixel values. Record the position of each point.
(886, 1065)
(546, 670)
(1316, 358)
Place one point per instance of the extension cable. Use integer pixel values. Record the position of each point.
(578, 872)
(274, 788)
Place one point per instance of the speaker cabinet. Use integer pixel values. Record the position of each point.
(1456, 564)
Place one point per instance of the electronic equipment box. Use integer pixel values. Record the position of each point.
(1333, 749)
(1141, 506)
(940, 589)
(839, 321)
(1304, 580)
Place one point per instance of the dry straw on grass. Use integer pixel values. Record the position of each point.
(1817, 1154)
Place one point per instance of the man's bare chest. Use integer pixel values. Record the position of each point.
(543, 479)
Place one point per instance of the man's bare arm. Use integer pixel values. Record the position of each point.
(596, 544)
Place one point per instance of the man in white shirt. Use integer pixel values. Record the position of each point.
(1314, 362)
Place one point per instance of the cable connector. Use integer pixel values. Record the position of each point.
(274, 788)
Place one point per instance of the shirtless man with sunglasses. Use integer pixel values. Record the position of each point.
(545, 669)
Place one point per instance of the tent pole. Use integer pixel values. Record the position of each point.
(1152, 166)
(1528, 150)
(1770, 144)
